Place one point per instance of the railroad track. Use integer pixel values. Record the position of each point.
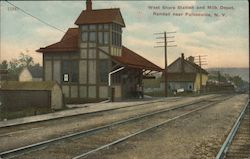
(98, 111)
(96, 139)
(237, 143)
(13, 130)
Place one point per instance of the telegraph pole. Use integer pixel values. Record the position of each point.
(165, 37)
(201, 62)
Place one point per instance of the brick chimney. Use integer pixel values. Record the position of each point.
(182, 62)
(88, 5)
(182, 56)
(191, 59)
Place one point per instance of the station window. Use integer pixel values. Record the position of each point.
(103, 68)
(92, 27)
(116, 35)
(100, 38)
(100, 27)
(106, 26)
(106, 38)
(84, 27)
(75, 71)
(70, 71)
(84, 36)
(92, 36)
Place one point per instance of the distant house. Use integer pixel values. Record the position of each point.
(33, 73)
(183, 74)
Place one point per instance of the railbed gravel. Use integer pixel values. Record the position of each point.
(14, 137)
(198, 136)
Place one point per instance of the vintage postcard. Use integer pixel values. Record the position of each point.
(124, 79)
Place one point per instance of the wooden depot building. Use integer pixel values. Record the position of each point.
(184, 74)
(83, 59)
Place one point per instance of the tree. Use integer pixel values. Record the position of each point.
(25, 60)
(237, 81)
(4, 64)
(13, 70)
(16, 65)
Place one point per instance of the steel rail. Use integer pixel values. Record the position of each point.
(224, 148)
(144, 130)
(86, 132)
(99, 111)
(32, 147)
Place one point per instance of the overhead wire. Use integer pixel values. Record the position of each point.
(29, 14)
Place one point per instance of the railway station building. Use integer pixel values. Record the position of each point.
(90, 59)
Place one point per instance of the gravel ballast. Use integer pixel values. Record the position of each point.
(197, 136)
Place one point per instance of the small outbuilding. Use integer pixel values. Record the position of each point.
(34, 73)
(36, 95)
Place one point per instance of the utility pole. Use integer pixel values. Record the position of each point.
(166, 41)
(201, 62)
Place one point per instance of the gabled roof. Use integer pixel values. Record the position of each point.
(100, 16)
(71, 32)
(131, 59)
(69, 42)
(176, 67)
(197, 67)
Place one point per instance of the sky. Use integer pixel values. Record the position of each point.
(223, 40)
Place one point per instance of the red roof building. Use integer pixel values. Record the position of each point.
(85, 56)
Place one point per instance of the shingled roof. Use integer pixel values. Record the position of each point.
(69, 43)
(131, 59)
(181, 65)
(100, 16)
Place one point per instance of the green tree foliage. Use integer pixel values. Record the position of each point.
(225, 78)
(237, 80)
(16, 65)
(25, 60)
(4, 64)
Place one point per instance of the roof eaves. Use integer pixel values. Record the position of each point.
(197, 67)
(143, 58)
(173, 62)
